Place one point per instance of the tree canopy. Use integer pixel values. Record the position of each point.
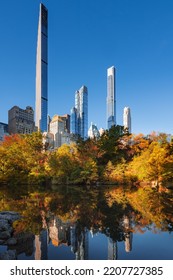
(114, 157)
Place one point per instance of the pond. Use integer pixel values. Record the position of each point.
(90, 223)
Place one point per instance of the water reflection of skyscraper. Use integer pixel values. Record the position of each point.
(41, 245)
(128, 235)
(67, 233)
(83, 245)
(58, 231)
(128, 241)
(112, 249)
(62, 233)
(70, 234)
(37, 248)
(53, 233)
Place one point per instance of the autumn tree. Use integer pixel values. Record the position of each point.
(149, 165)
(21, 158)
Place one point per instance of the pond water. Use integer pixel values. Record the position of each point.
(80, 223)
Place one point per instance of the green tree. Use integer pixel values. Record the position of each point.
(108, 144)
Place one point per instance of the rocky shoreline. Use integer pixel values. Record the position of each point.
(6, 233)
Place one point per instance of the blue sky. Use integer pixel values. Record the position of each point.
(85, 38)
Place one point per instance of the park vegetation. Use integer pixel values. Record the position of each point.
(116, 157)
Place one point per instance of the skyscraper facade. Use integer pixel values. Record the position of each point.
(66, 119)
(93, 131)
(59, 128)
(21, 120)
(79, 114)
(3, 130)
(127, 119)
(73, 121)
(111, 97)
(41, 106)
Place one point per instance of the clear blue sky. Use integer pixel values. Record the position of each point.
(85, 38)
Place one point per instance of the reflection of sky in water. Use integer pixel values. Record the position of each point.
(144, 246)
(98, 247)
(149, 246)
(62, 252)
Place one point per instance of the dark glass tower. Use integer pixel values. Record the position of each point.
(73, 121)
(41, 71)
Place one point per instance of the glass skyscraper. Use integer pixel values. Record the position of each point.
(79, 114)
(111, 101)
(41, 71)
(73, 121)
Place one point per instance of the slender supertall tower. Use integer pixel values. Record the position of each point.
(73, 121)
(111, 95)
(127, 119)
(82, 109)
(41, 106)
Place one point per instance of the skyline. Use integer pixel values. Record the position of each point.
(137, 38)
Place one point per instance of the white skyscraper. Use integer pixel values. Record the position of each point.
(41, 71)
(127, 119)
(111, 97)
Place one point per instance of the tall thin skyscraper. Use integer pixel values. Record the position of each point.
(41, 71)
(111, 97)
(79, 114)
(73, 121)
(127, 119)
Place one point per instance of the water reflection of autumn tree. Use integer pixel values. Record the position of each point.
(100, 209)
(152, 207)
(116, 209)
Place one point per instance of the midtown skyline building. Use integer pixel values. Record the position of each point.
(59, 128)
(73, 121)
(79, 113)
(21, 120)
(41, 105)
(66, 119)
(111, 97)
(3, 130)
(127, 119)
(93, 131)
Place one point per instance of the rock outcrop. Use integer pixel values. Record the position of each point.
(6, 233)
